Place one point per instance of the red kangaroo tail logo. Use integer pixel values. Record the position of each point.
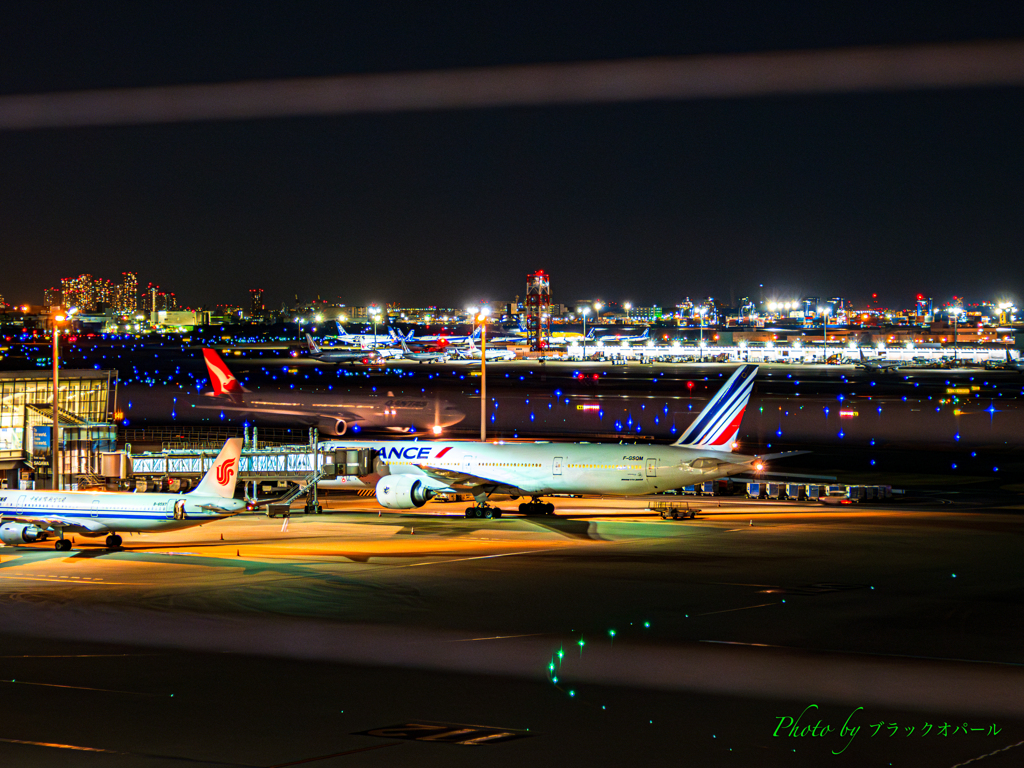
(222, 379)
(226, 471)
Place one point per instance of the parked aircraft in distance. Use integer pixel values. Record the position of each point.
(1009, 364)
(30, 516)
(608, 337)
(877, 365)
(493, 353)
(423, 357)
(340, 355)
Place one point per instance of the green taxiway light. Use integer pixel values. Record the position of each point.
(647, 625)
(611, 632)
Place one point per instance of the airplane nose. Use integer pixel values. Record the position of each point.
(451, 417)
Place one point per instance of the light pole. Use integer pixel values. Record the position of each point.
(824, 332)
(58, 317)
(700, 317)
(375, 314)
(956, 319)
(585, 311)
(482, 318)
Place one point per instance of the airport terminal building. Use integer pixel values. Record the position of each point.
(86, 405)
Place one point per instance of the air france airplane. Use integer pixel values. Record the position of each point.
(31, 516)
(410, 473)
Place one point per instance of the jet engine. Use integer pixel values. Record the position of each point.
(13, 534)
(402, 492)
(334, 427)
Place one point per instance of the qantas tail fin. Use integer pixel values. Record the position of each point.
(223, 381)
(314, 348)
(719, 423)
(221, 477)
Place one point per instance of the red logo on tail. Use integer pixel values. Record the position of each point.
(226, 471)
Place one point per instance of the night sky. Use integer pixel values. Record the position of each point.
(894, 193)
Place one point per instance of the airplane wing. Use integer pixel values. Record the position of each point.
(455, 477)
(54, 523)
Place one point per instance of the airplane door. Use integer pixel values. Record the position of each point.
(469, 464)
(556, 465)
(94, 509)
(652, 467)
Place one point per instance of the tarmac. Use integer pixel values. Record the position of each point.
(602, 636)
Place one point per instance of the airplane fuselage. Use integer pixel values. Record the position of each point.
(548, 468)
(99, 513)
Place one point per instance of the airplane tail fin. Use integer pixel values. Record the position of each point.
(223, 381)
(646, 333)
(314, 348)
(476, 332)
(719, 423)
(220, 479)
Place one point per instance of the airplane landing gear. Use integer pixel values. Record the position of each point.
(536, 507)
(484, 511)
(113, 541)
(62, 545)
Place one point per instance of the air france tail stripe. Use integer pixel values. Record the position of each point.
(726, 416)
(727, 413)
(735, 392)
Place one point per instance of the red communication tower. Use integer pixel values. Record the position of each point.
(538, 309)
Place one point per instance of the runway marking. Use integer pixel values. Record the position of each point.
(336, 754)
(480, 557)
(77, 748)
(744, 608)
(77, 655)
(82, 688)
(498, 637)
(60, 746)
(982, 757)
(868, 653)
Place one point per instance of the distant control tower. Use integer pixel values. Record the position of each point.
(538, 310)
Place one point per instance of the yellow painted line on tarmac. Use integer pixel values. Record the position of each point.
(65, 581)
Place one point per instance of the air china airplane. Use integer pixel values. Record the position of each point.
(331, 413)
(30, 516)
(410, 473)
